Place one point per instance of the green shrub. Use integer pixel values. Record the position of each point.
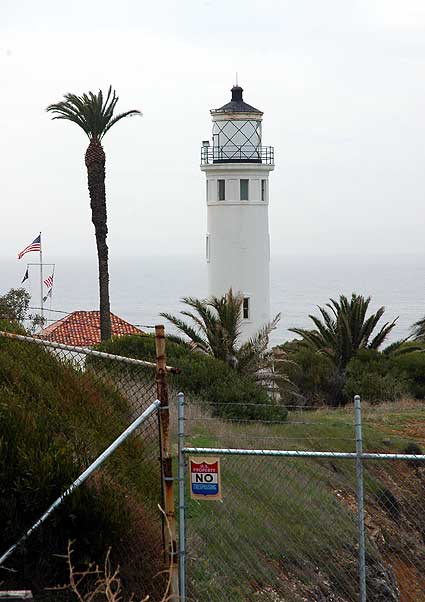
(413, 365)
(55, 420)
(8, 326)
(314, 377)
(206, 377)
(376, 377)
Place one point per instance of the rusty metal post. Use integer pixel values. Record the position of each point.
(170, 538)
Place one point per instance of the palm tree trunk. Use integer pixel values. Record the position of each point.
(95, 163)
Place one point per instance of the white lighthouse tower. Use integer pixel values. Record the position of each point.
(237, 169)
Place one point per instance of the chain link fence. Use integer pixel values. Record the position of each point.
(288, 526)
(61, 407)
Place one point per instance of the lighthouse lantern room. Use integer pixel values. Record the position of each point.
(237, 169)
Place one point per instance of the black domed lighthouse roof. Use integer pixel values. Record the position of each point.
(237, 104)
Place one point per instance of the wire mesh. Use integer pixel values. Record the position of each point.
(395, 526)
(61, 408)
(281, 532)
(286, 528)
(208, 425)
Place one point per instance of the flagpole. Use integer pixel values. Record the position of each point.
(41, 279)
(51, 291)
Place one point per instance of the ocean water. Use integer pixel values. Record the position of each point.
(143, 287)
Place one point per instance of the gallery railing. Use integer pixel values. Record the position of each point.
(237, 154)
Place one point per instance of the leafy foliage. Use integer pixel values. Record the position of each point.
(344, 328)
(232, 394)
(413, 366)
(14, 305)
(393, 374)
(55, 420)
(376, 377)
(312, 376)
(216, 329)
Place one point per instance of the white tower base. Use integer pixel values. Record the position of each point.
(238, 242)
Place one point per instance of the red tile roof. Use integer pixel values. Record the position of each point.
(82, 329)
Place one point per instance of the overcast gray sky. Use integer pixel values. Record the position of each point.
(341, 83)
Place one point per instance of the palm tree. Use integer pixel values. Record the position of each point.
(95, 116)
(216, 328)
(344, 329)
(418, 331)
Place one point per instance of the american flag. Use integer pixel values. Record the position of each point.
(34, 246)
(49, 281)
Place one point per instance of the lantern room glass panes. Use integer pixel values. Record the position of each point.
(237, 140)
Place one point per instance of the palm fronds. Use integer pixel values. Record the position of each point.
(418, 330)
(92, 112)
(343, 328)
(215, 326)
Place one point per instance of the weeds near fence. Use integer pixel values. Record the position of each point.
(104, 583)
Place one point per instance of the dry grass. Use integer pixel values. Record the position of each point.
(95, 584)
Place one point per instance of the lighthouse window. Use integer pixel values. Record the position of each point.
(263, 190)
(244, 184)
(245, 308)
(221, 190)
(207, 247)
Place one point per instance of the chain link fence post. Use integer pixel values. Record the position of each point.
(170, 543)
(182, 506)
(360, 498)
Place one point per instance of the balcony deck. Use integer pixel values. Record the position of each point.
(237, 154)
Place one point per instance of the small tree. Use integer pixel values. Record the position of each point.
(14, 305)
(345, 328)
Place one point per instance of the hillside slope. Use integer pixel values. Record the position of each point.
(56, 418)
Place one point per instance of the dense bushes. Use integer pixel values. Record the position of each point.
(54, 420)
(377, 376)
(388, 376)
(205, 377)
(311, 377)
(413, 366)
